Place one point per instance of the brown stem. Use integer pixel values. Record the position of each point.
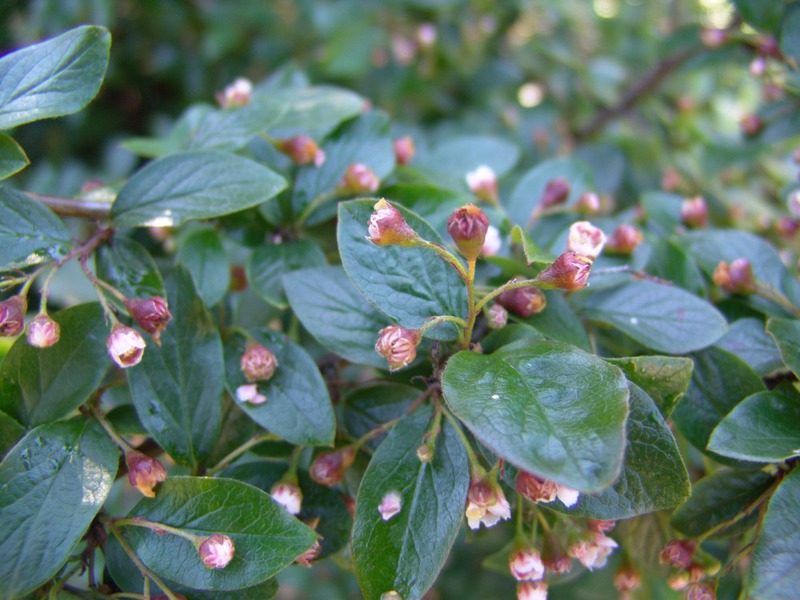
(71, 207)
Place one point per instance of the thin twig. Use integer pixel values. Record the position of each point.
(72, 207)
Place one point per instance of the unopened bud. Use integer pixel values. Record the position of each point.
(425, 452)
(531, 590)
(216, 551)
(767, 46)
(678, 581)
(588, 204)
(558, 564)
(496, 317)
(249, 393)
(302, 150)
(678, 553)
(404, 150)
(43, 331)
(483, 183)
(793, 203)
(694, 212)
(398, 346)
(387, 227)
(236, 94)
(786, 227)
(289, 495)
(426, 35)
(570, 272)
(671, 179)
(258, 363)
(524, 301)
(586, 239)
(151, 314)
(468, 226)
(144, 472)
(328, 468)
(391, 504)
(751, 125)
(713, 38)
(535, 488)
(526, 565)
(358, 179)
(125, 346)
(12, 316)
(735, 278)
(555, 192)
(700, 591)
(757, 66)
(309, 556)
(626, 579)
(625, 239)
(492, 242)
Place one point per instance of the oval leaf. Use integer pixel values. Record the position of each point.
(269, 263)
(12, 157)
(29, 232)
(665, 379)
(786, 333)
(203, 254)
(129, 267)
(546, 407)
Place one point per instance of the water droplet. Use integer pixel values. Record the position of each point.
(495, 396)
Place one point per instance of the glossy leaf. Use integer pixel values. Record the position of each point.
(177, 388)
(762, 14)
(462, 154)
(545, 407)
(719, 382)
(53, 78)
(52, 484)
(29, 232)
(369, 407)
(786, 333)
(664, 318)
(765, 427)
(664, 378)
(747, 339)
(269, 263)
(10, 433)
(128, 266)
(559, 322)
(266, 537)
(298, 407)
(38, 385)
(406, 552)
(232, 128)
(193, 185)
(513, 332)
(790, 31)
(406, 284)
(653, 474)
(775, 570)
(203, 254)
(313, 111)
(12, 157)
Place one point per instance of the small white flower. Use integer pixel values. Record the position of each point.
(567, 495)
(249, 393)
(289, 495)
(526, 565)
(391, 505)
(491, 243)
(586, 239)
(216, 551)
(125, 346)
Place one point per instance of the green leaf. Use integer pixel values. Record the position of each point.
(312, 111)
(336, 314)
(177, 388)
(233, 128)
(369, 407)
(465, 153)
(559, 322)
(38, 385)
(513, 332)
(10, 433)
(663, 212)
(193, 185)
(298, 407)
(269, 263)
(126, 265)
(765, 427)
(12, 157)
(265, 536)
(408, 285)
(52, 484)
(718, 498)
(664, 378)
(53, 78)
(545, 407)
(790, 32)
(203, 254)
(406, 553)
(669, 261)
(664, 318)
(29, 232)
(533, 254)
(761, 14)
(646, 484)
(747, 339)
(719, 382)
(786, 333)
(775, 570)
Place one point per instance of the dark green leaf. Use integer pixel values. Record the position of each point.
(232, 128)
(52, 484)
(513, 332)
(10, 433)
(12, 157)
(463, 154)
(761, 14)
(236, 428)
(719, 382)
(29, 232)
(298, 407)
(406, 553)
(38, 385)
(203, 254)
(663, 211)
(790, 32)
(546, 407)
(664, 318)
(313, 111)
(786, 333)
(775, 570)
(665, 378)
(559, 322)
(53, 78)
(126, 265)
(719, 498)
(265, 536)
(336, 314)
(430, 201)
(369, 407)
(653, 474)
(193, 185)
(533, 254)
(177, 388)
(747, 339)
(267, 265)
(669, 261)
(765, 427)
(408, 285)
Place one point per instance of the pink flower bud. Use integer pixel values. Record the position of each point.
(700, 591)
(328, 468)
(258, 363)
(678, 581)
(125, 346)
(151, 314)
(535, 488)
(678, 553)
(302, 150)
(736, 278)
(387, 227)
(586, 239)
(671, 179)
(216, 551)
(492, 243)
(144, 472)
(588, 204)
(758, 66)
(236, 94)
(555, 192)
(486, 504)
(496, 317)
(249, 393)
(767, 46)
(307, 558)
(694, 212)
(398, 346)
(713, 38)
(468, 226)
(358, 179)
(43, 331)
(532, 590)
(626, 579)
(558, 564)
(483, 183)
(12, 316)
(592, 550)
(751, 125)
(404, 150)
(289, 495)
(526, 565)
(391, 504)
(786, 227)
(427, 34)
(570, 272)
(625, 239)
(525, 301)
